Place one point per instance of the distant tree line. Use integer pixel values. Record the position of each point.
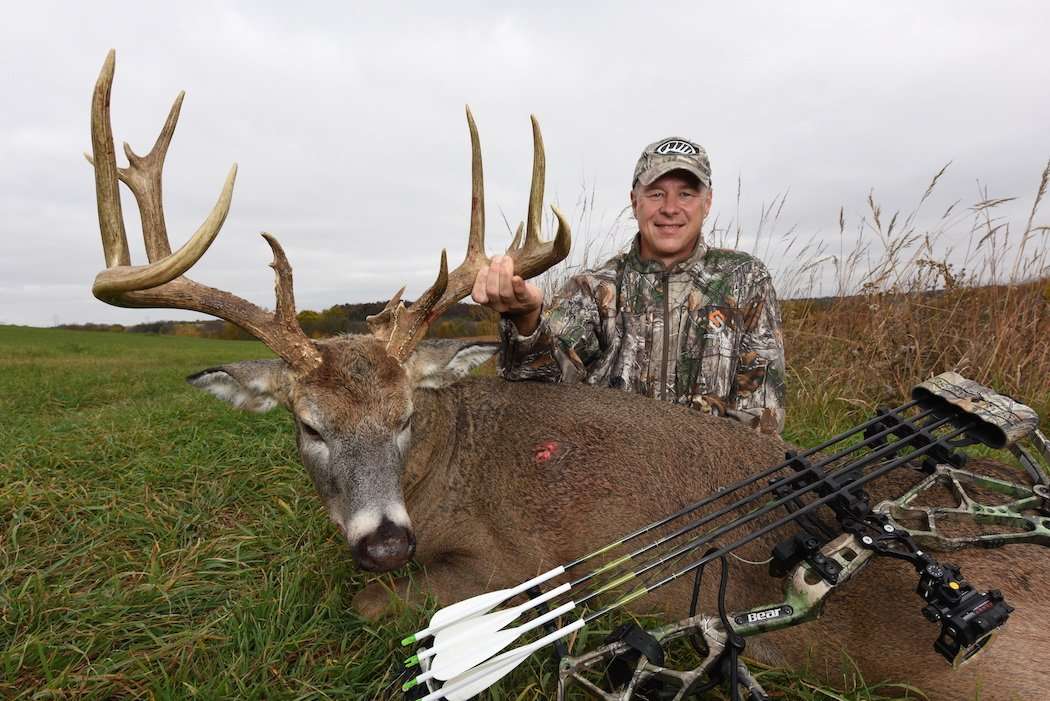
(461, 320)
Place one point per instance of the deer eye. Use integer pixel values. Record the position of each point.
(405, 423)
(310, 432)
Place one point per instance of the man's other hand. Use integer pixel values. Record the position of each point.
(499, 289)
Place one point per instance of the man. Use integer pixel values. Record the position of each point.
(671, 319)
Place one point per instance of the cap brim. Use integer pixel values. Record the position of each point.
(648, 177)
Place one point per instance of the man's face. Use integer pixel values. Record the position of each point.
(670, 213)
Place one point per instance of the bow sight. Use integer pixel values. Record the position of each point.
(968, 618)
(821, 493)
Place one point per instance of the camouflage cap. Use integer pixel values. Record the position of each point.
(673, 153)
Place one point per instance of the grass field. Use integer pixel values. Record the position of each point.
(155, 544)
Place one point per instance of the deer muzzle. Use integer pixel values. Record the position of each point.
(386, 548)
(380, 537)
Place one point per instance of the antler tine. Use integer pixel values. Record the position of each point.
(285, 333)
(404, 328)
(516, 241)
(533, 257)
(143, 177)
(476, 239)
(284, 312)
(160, 284)
(107, 194)
(539, 175)
(381, 323)
(536, 257)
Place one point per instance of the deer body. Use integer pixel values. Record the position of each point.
(569, 476)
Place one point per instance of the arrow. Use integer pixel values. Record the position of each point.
(468, 608)
(484, 633)
(474, 606)
(469, 629)
(454, 660)
(474, 680)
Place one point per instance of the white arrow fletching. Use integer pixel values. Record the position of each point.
(476, 680)
(456, 659)
(489, 676)
(486, 624)
(478, 604)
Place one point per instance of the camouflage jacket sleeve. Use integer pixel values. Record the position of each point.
(759, 383)
(567, 341)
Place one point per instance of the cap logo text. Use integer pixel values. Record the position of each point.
(676, 146)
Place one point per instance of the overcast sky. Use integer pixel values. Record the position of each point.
(348, 126)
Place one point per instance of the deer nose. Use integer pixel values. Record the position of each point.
(386, 548)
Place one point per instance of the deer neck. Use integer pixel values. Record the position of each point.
(434, 427)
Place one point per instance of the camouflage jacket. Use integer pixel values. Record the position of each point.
(705, 333)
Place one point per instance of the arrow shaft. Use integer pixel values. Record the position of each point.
(805, 509)
(512, 658)
(755, 496)
(749, 517)
(452, 616)
(728, 489)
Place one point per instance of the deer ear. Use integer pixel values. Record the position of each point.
(251, 385)
(439, 363)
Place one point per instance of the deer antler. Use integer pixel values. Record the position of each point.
(403, 327)
(161, 284)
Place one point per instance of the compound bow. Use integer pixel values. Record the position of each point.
(948, 412)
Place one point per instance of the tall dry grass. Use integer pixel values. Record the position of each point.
(888, 300)
(906, 305)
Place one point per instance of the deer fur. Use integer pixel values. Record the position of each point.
(502, 481)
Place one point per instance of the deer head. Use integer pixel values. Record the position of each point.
(351, 397)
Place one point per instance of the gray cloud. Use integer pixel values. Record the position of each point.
(348, 127)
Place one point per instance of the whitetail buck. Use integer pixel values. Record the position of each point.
(487, 483)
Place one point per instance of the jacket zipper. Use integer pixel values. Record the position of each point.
(667, 334)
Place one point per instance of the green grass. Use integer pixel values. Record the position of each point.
(156, 544)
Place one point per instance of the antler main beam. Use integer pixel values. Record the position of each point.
(161, 282)
(404, 327)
